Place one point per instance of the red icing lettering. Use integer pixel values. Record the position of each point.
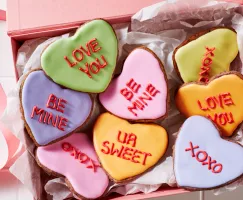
(56, 103)
(116, 151)
(152, 90)
(202, 159)
(145, 157)
(209, 51)
(135, 105)
(62, 123)
(127, 138)
(127, 94)
(222, 118)
(83, 157)
(209, 162)
(78, 55)
(200, 106)
(51, 103)
(206, 65)
(93, 43)
(53, 120)
(227, 99)
(205, 71)
(211, 103)
(71, 64)
(37, 111)
(136, 156)
(205, 159)
(203, 79)
(56, 121)
(105, 144)
(230, 119)
(132, 138)
(219, 166)
(90, 48)
(67, 146)
(124, 152)
(104, 62)
(61, 105)
(93, 165)
(133, 85)
(145, 97)
(222, 100)
(87, 50)
(75, 153)
(86, 70)
(207, 61)
(78, 155)
(192, 148)
(141, 100)
(124, 138)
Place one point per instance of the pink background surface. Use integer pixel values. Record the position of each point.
(25, 14)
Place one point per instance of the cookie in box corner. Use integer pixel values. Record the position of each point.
(202, 159)
(140, 93)
(220, 100)
(206, 54)
(51, 112)
(74, 158)
(84, 62)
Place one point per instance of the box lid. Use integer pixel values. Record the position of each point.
(28, 16)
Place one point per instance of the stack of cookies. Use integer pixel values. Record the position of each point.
(57, 101)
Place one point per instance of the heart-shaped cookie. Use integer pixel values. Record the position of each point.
(51, 112)
(206, 54)
(127, 150)
(220, 100)
(84, 62)
(140, 92)
(74, 157)
(202, 159)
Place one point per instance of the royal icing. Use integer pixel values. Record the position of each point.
(206, 56)
(74, 157)
(220, 101)
(84, 62)
(134, 95)
(202, 159)
(127, 150)
(50, 111)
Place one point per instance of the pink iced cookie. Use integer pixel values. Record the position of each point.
(140, 92)
(75, 158)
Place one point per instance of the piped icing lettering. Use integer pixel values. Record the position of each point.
(205, 54)
(126, 150)
(74, 157)
(48, 118)
(205, 159)
(219, 100)
(202, 159)
(80, 156)
(134, 155)
(141, 101)
(84, 62)
(51, 112)
(206, 65)
(135, 96)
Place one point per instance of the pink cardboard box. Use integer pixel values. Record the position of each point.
(28, 19)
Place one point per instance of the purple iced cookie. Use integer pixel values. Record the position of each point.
(50, 111)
